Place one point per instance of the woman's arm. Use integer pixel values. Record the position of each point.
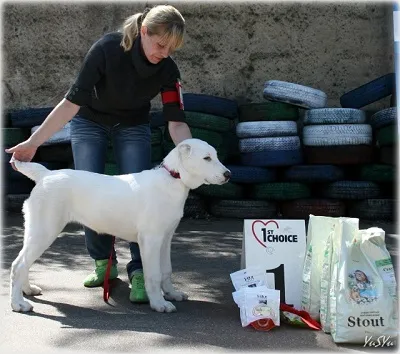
(58, 117)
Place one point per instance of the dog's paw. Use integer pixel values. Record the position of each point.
(162, 306)
(21, 306)
(32, 290)
(176, 296)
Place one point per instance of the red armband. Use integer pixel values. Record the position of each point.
(173, 96)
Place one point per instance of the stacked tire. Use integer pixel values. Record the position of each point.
(19, 126)
(212, 119)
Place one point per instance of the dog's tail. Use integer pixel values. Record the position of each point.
(34, 171)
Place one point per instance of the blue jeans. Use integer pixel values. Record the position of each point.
(132, 151)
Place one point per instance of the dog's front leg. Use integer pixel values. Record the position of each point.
(166, 269)
(150, 250)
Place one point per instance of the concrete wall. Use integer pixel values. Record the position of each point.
(230, 50)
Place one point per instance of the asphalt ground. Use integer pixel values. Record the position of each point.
(68, 317)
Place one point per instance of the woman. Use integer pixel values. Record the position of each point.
(120, 75)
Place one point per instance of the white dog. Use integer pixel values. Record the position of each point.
(124, 206)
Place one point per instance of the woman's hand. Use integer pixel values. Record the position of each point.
(22, 152)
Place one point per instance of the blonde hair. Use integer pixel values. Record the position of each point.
(162, 20)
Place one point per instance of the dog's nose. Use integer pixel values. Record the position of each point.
(227, 175)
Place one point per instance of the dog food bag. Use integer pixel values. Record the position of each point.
(319, 229)
(364, 306)
(249, 277)
(260, 303)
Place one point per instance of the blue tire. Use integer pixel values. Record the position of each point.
(218, 106)
(370, 92)
(313, 173)
(248, 174)
(272, 158)
(28, 118)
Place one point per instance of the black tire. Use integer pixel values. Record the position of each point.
(14, 136)
(226, 191)
(388, 155)
(243, 209)
(156, 136)
(268, 111)
(339, 155)
(294, 94)
(373, 209)
(14, 202)
(195, 207)
(55, 153)
(348, 190)
(218, 106)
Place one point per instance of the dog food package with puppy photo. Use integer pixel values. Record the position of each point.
(363, 297)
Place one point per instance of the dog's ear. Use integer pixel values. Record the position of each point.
(185, 150)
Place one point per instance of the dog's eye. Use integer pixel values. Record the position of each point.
(207, 158)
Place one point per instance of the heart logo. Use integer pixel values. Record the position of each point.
(265, 224)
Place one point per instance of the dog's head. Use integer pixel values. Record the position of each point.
(197, 163)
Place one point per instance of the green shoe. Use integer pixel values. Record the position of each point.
(138, 292)
(97, 277)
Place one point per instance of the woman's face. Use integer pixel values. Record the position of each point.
(154, 49)
(360, 276)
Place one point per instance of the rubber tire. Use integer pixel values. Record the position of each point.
(14, 136)
(218, 106)
(284, 143)
(313, 173)
(373, 209)
(266, 129)
(294, 94)
(378, 173)
(215, 139)
(30, 117)
(14, 202)
(337, 134)
(226, 191)
(334, 116)
(302, 208)
(208, 122)
(339, 155)
(272, 158)
(348, 190)
(388, 155)
(243, 209)
(248, 174)
(384, 118)
(386, 136)
(279, 191)
(195, 207)
(268, 111)
(370, 92)
(55, 153)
